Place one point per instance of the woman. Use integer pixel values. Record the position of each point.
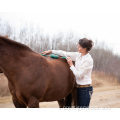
(82, 69)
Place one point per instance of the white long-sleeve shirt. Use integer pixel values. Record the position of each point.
(83, 66)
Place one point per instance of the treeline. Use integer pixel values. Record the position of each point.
(104, 59)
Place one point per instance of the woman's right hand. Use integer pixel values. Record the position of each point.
(46, 52)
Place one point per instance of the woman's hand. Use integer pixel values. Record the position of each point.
(69, 60)
(46, 52)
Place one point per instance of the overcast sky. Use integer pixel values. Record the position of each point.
(92, 18)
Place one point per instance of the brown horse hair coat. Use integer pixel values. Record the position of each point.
(33, 78)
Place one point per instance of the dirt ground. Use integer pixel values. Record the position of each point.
(104, 97)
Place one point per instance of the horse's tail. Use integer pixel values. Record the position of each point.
(68, 100)
(72, 96)
(71, 99)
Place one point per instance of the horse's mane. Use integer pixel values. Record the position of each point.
(14, 43)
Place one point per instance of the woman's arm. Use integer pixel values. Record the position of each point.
(73, 55)
(86, 67)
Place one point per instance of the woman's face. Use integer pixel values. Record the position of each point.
(81, 49)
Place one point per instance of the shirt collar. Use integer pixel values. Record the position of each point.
(84, 55)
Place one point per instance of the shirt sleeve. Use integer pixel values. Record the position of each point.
(73, 55)
(86, 67)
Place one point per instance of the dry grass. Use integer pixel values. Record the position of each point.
(101, 79)
(4, 91)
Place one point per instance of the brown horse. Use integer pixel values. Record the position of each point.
(33, 78)
(1, 71)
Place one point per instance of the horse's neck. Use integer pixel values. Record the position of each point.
(12, 61)
(9, 58)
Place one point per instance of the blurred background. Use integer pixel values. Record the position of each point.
(61, 31)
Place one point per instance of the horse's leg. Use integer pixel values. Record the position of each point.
(15, 100)
(17, 104)
(33, 103)
(61, 103)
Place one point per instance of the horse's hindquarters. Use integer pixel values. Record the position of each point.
(61, 83)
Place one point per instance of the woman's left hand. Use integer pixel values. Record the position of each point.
(69, 60)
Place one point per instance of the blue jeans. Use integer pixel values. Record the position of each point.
(84, 96)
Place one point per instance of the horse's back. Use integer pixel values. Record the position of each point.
(47, 79)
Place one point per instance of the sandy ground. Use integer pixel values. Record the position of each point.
(103, 97)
